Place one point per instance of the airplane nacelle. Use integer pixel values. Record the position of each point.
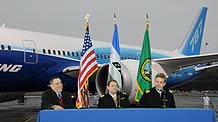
(129, 74)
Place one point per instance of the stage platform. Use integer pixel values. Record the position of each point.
(127, 115)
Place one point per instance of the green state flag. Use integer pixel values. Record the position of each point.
(144, 70)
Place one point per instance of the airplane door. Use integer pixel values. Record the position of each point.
(30, 55)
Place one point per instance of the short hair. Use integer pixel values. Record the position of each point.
(161, 75)
(111, 81)
(52, 78)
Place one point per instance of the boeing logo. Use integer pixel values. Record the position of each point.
(10, 68)
(196, 36)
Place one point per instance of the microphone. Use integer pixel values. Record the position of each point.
(164, 100)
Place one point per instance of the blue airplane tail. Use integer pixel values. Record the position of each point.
(192, 42)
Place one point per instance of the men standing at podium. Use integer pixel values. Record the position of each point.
(55, 98)
(115, 98)
(158, 97)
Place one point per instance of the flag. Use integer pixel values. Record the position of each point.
(144, 70)
(88, 65)
(114, 70)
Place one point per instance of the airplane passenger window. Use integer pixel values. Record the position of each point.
(77, 54)
(68, 53)
(72, 53)
(9, 47)
(64, 53)
(97, 55)
(43, 50)
(49, 51)
(2, 47)
(59, 52)
(34, 51)
(54, 52)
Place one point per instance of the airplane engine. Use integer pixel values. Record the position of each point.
(10, 96)
(129, 70)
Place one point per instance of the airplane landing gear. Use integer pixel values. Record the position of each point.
(22, 100)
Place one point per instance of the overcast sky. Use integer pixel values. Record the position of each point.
(169, 19)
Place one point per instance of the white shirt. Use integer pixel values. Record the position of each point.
(59, 95)
(159, 91)
(113, 95)
(206, 100)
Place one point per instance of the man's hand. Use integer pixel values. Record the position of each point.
(57, 107)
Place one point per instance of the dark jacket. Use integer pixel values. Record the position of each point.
(152, 99)
(49, 98)
(107, 101)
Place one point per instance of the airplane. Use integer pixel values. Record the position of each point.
(29, 59)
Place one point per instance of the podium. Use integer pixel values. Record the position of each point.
(127, 115)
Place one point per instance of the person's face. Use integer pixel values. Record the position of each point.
(112, 88)
(57, 85)
(159, 83)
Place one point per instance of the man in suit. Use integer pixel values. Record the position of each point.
(158, 97)
(114, 98)
(55, 98)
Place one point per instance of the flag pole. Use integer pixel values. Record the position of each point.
(115, 19)
(86, 91)
(87, 20)
(143, 80)
(87, 17)
(147, 26)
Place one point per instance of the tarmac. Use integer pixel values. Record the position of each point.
(27, 112)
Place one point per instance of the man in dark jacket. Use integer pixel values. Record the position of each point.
(115, 98)
(55, 98)
(158, 97)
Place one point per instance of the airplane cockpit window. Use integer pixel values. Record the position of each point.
(43, 50)
(49, 51)
(59, 52)
(9, 47)
(54, 52)
(2, 47)
(63, 53)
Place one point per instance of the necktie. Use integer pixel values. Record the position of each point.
(115, 100)
(61, 101)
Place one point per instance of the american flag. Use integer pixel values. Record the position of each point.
(88, 65)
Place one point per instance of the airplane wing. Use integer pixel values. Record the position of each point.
(188, 60)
